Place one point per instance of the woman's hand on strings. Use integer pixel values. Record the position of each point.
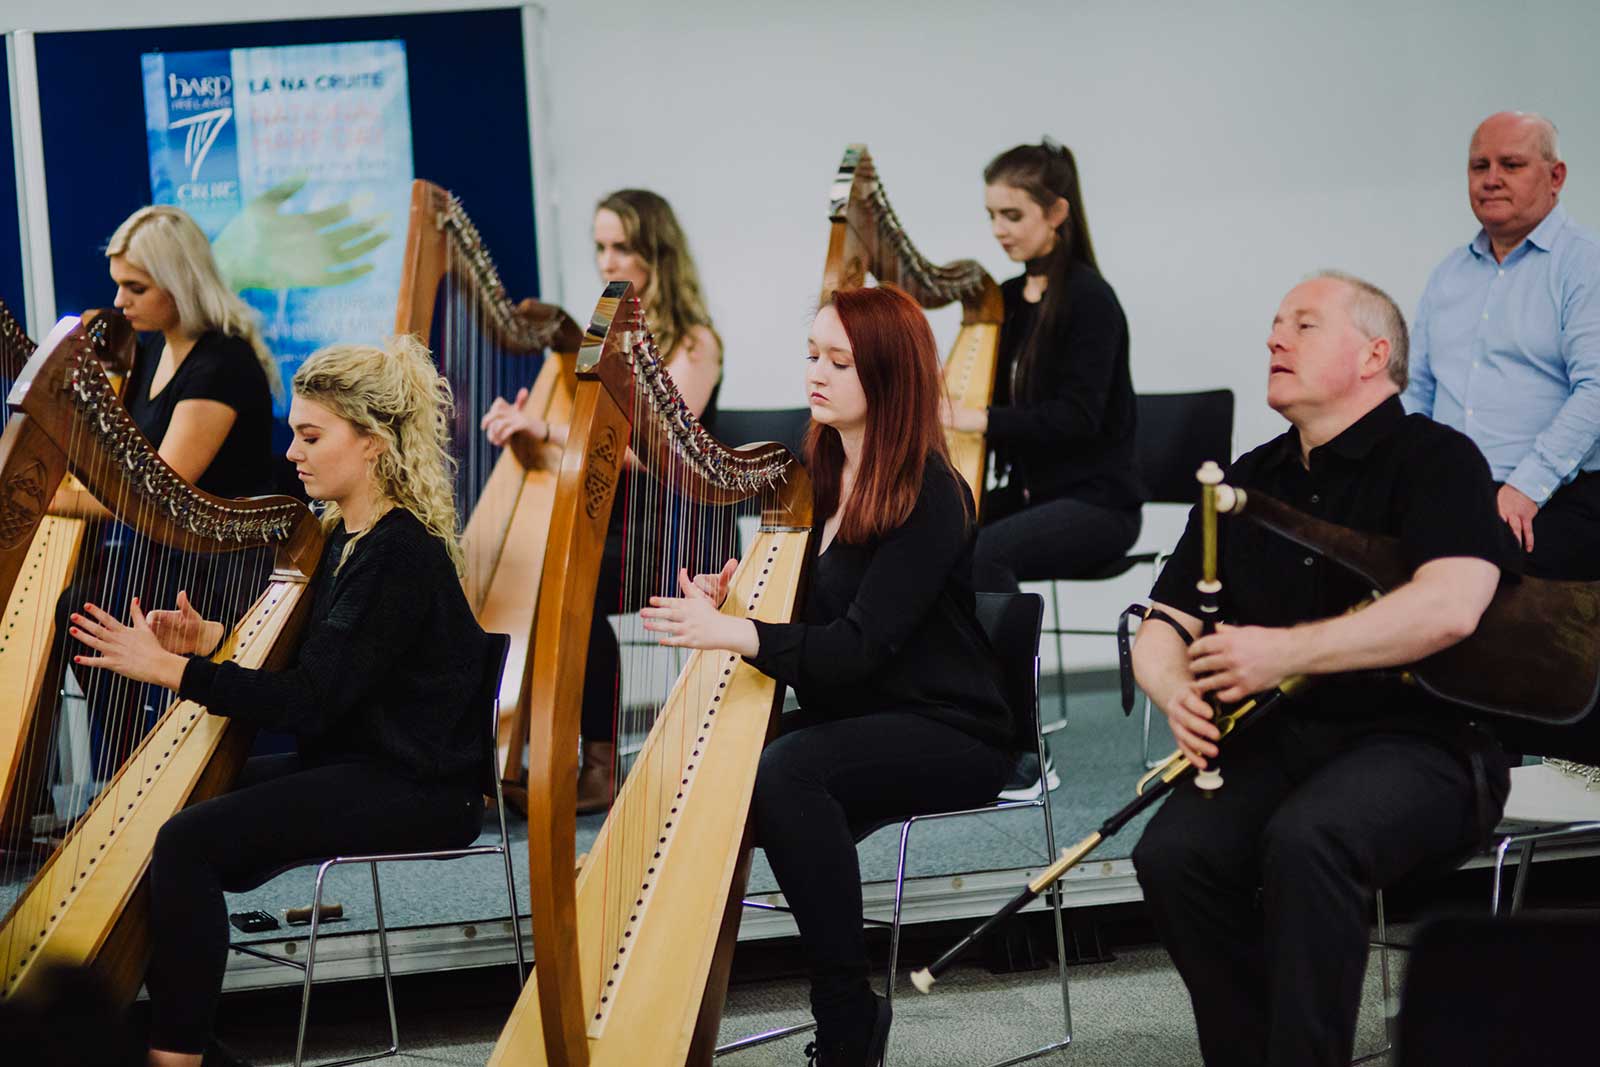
(1237, 662)
(183, 631)
(505, 419)
(716, 586)
(132, 650)
(693, 621)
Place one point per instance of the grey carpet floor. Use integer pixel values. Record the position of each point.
(1128, 1012)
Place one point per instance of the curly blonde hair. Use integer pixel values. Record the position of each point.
(168, 245)
(395, 394)
(673, 302)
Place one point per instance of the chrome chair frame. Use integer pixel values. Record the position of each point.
(1041, 802)
(497, 656)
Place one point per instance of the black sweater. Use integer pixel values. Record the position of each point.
(1071, 432)
(890, 625)
(389, 666)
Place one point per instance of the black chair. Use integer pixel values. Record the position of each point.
(487, 697)
(1177, 432)
(1483, 992)
(744, 426)
(1012, 623)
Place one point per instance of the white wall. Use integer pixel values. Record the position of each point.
(1226, 150)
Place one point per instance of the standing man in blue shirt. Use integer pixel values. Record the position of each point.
(1506, 345)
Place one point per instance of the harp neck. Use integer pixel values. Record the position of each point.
(619, 352)
(442, 240)
(867, 237)
(64, 391)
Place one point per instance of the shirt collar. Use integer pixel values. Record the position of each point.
(1357, 440)
(1543, 236)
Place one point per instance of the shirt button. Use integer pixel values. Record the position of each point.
(1316, 498)
(1486, 314)
(1469, 411)
(1501, 272)
(1310, 560)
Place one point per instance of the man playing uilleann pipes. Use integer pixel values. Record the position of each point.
(1260, 890)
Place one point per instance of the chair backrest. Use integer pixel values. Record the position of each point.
(487, 701)
(1013, 622)
(1177, 432)
(743, 426)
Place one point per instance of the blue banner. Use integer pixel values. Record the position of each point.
(296, 161)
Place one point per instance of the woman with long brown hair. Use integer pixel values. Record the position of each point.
(901, 707)
(1062, 419)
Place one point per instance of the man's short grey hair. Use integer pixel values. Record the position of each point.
(1549, 138)
(1376, 315)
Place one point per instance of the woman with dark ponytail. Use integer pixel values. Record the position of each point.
(1062, 421)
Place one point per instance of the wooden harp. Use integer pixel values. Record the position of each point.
(632, 961)
(865, 237)
(451, 297)
(38, 551)
(74, 892)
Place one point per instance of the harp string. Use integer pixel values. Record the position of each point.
(664, 529)
(58, 783)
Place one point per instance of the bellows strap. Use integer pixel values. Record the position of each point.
(1145, 612)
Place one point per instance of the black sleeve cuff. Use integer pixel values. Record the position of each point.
(778, 653)
(197, 679)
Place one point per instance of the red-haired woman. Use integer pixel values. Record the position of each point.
(900, 696)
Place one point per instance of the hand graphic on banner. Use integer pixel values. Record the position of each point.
(264, 247)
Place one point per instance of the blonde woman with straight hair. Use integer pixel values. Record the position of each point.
(636, 239)
(389, 755)
(202, 384)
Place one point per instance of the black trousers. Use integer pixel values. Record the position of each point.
(283, 812)
(1260, 892)
(1059, 538)
(824, 784)
(1566, 532)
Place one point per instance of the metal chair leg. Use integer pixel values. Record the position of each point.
(1499, 875)
(1061, 656)
(1519, 882)
(1050, 853)
(1383, 970)
(511, 889)
(311, 962)
(388, 973)
(894, 922)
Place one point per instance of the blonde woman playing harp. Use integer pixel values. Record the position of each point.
(377, 695)
(637, 239)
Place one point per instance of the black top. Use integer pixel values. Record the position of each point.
(223, 368)
(1071, 432)
(1390, 473)
(891, 625)
(389, 667)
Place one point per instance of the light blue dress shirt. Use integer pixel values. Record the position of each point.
(1509, 354)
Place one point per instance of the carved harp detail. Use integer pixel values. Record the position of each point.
(866, 237)
(632, 959)
(82, 903)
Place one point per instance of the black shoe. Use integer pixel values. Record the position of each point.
(880, 1033)
(844, 1053)
(1024, 783)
